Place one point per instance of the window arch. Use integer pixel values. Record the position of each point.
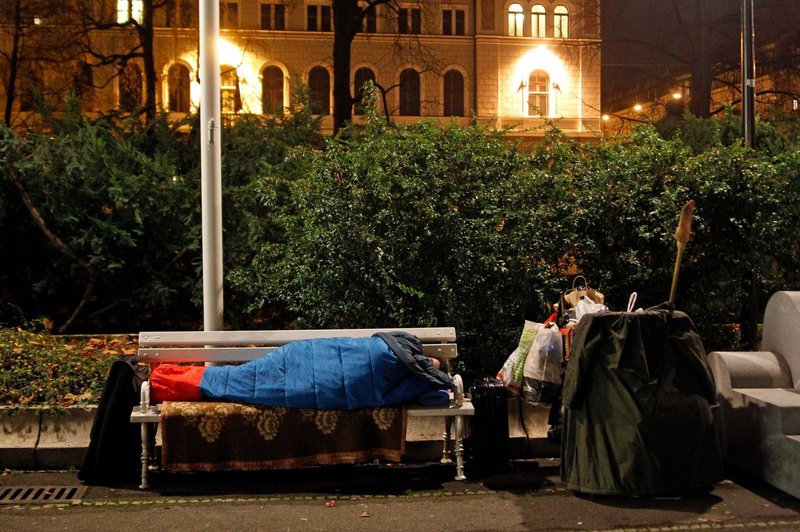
(560, 22)
(229, 90)
(453, 93)
(538, 93)
(272, 80)
(319, 83)
(360, 78)
(409, 93)
(178, 89)
(130, 87)
(516, 20)
(538, 21)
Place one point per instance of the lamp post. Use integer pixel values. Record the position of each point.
(748, 75)
(210, 165)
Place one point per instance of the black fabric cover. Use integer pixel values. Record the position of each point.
(637, 397)
(113, 457)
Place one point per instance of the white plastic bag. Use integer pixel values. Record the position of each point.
(511, 372)
(542, 371)
(587, 306)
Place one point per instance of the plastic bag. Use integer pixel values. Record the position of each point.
(587, 306)
(542, 370)
(512, 371)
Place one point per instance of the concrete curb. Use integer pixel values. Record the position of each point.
(43, 438)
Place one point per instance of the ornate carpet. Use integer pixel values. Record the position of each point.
(200, 436)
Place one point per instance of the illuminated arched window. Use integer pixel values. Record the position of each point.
(272, 91)
(361, 77)
(229, 90)
(538, 21)
(538, 93)
(319, 83)
(409, 93)
(453, 93)
(516, 19)
(560, 22)
(130, 88)
(178, 89)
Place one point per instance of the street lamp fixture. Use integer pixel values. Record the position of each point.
(637, 107)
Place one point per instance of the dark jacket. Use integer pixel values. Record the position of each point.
(637, 406)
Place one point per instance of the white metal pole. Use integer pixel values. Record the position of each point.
(211, 165)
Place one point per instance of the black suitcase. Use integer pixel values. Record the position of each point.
(489, 441)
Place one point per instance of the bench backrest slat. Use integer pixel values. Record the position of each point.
(277, 338)
(242, 354)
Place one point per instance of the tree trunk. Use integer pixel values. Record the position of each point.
(702, 76)
(13, 65)
(146, 36)
(59, 244)
(346, 22)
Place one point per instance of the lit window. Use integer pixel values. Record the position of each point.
(178, 86)
(130, 88)
(272, 90)
(409, 93)
(361, 77)
(560, 22)
(453, 93)
(453, 22)
(129, 10)
(231, 98)
(516, 18)
(319, 84)
(538, 21)
(229, 15)
(273, 17)
(409, 20)
(538, 93)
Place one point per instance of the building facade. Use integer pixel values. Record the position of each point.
(517, 64)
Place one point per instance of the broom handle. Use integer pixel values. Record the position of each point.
(682, 234)
(677, 269)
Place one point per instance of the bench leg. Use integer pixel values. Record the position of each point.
(460, 448)
(145, 455)
(448, 422)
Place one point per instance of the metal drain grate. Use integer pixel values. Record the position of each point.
(40, 494)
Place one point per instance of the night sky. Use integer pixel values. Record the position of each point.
(651, 40)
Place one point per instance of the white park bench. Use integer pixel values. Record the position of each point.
(221, 347)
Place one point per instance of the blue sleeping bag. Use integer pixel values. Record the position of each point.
(330, 373)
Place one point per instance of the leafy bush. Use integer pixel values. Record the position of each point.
(430, 224)
(39, 369)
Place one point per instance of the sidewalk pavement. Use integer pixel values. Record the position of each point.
(528, 495)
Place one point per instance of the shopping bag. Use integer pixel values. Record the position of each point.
(511, 372)
(541, 383)
(580, 288)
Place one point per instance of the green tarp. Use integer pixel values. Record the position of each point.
(637, 406)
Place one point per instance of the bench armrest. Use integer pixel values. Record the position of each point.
(144, 397)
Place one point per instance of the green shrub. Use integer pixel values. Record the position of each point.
(39, 369)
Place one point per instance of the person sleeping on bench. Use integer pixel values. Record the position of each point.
(328, 374)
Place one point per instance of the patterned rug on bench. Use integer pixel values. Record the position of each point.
(201, 436)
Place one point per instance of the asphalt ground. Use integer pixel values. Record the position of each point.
(527, 495)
